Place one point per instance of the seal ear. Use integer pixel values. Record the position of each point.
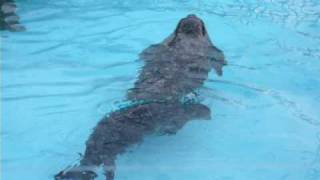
(204, 30)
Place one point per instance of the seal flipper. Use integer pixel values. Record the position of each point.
(198, 111)
(75, 174)
(191, 112)
(217, 59)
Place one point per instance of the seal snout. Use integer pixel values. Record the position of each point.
(191, 25)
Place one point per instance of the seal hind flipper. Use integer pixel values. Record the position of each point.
(75, 175)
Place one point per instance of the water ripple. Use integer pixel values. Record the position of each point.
(96, 84)
(63, 65)
(293, 106)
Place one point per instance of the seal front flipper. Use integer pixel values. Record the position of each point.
(217, 59)
(190, 112)
(197, 111)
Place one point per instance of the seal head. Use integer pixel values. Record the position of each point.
(191, 26)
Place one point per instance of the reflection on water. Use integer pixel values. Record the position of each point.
(77, 59)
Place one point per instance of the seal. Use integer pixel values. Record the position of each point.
(9, 20)
(172, 70)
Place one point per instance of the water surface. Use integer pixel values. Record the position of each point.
(77, 59)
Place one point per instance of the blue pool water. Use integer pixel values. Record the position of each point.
(77, 59)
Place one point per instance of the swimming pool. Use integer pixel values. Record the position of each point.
(77, 59)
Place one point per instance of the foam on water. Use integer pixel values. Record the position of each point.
(77, 59)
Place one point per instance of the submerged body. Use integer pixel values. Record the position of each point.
(173, 69)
